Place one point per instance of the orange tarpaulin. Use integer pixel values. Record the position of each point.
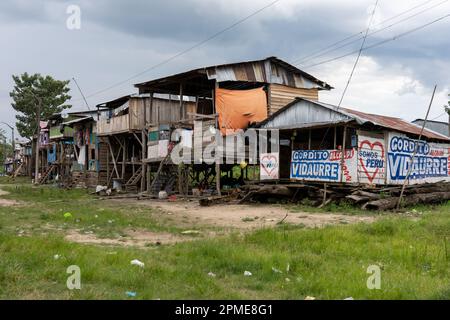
(238, 108)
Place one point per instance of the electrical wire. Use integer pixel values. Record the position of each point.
(377, 44)
(215, 35)
(372, 33)
(302, 59)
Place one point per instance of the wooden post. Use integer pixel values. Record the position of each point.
(334, 140)
(344, 138)
(181, 101)
(107, 167)
(309, 139)
(149, 169)
(124, 158)
(36, 169)
(144, 150)
(415, 150)
(217, 128)
(196, 105)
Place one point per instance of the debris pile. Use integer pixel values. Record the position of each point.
(319, 195)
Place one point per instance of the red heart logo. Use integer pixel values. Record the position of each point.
(371, 146)
(268, 159)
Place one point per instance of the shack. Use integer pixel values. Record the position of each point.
(226, 98)
(125, 132)
(320, 142)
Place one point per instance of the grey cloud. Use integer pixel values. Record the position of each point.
(121, 38)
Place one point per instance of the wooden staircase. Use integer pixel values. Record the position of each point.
(47, 173)
(131, 185)
(16, 173)
(161, 177)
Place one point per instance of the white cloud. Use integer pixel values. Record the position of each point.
(380, 89)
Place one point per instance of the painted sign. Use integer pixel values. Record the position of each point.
(324, 165)
(269, 166)
(371, 160)
(431, 163)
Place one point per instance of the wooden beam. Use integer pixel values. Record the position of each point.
(217, 128)
(144, 153)
(334, 141)
(309, 139)
(181, 101)
(206, 116)
(124, 158)
(107, 168)
(139, 140)
(344, 138)
(113, 158)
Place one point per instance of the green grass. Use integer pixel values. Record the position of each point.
(343, 207)
(88, 214)
(327, 263)
(8, 180)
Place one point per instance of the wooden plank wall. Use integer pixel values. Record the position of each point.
(280, 95)
(113, 125)
(168, 111)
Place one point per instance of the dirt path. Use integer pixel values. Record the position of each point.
(248, 216)
(138, 238)
(5, 202)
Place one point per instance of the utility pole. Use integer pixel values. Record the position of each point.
(416, 144)
(447, 109)
(36, 169)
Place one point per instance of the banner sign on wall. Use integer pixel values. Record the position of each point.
(323, 165)
(378, 160)
(430, 164)
(269, 166)
(371, 160)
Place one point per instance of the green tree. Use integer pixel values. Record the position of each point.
(31, 90)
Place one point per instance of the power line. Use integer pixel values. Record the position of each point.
(359, 33)
(442, 114)
(186, 50)
(85, 101)
(359, 55)
(377, 44)
(353, 70)
(333, 48)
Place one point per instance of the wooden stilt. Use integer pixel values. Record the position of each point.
(218, 175)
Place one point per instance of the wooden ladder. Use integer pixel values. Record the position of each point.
(161, 165)
(16, 173)
(134, 179)
(47, 173)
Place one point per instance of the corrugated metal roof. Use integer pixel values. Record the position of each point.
(77, 120)
(251, 71)
(436, 126)
(361, 118)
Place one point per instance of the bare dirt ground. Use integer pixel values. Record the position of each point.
(218, 219)
(139, 238)
(248, 216)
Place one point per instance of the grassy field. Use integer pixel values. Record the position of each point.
(326, 263)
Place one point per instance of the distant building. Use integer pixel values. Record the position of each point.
(437, 126)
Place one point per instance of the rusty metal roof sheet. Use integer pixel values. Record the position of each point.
(269, 70)
(392, 123)
(284, 118)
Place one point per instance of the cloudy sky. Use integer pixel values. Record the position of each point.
(121, 38)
